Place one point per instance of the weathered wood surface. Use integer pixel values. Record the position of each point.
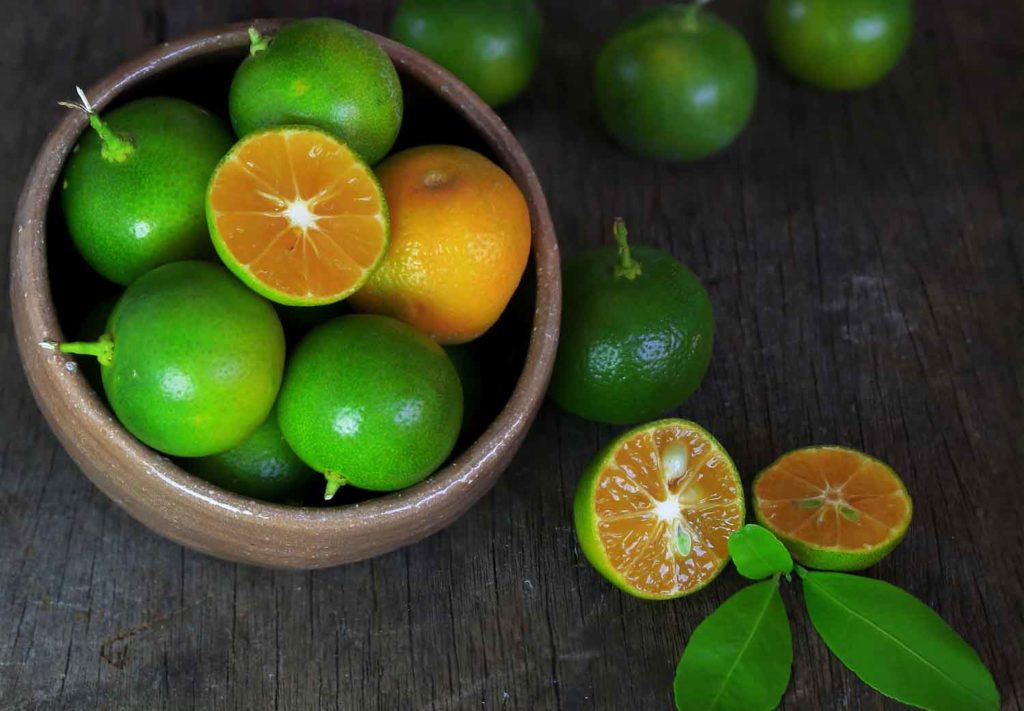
(864, 257)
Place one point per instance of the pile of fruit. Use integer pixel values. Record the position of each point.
(215, 240)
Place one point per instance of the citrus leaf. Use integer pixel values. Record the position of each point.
(897, 644)
(739, 658)
(757, 553)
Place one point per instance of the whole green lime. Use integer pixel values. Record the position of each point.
(636, 334)
(320, 72)
(840, 45)
(676, 83)
(493, 46)
(191, 360)
(134, 190)
(263, 466)
(370, 401)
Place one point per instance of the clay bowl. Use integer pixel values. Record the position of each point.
(47, 284)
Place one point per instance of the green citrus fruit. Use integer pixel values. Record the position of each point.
(636, 334)
(263, 466)
(370, 401)
(191, 360)
(134, 190)
(493, 46)
(676, 83)
(839, 44)
(671, 485)
(834, 508)
(320, 72)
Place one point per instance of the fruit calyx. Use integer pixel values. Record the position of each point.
(116, 147)
(626, 267)
(102, 349)
(257, 42)
(334, 482)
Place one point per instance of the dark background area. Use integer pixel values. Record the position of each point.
(863, 253)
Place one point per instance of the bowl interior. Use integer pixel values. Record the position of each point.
(77, 291)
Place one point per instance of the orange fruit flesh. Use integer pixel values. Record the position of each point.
(833, 498)
(300, 214)
(666, 504)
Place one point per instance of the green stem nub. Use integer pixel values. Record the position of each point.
(257, 42)
(693, 11)
(626, 267)
(102, 349)
(334, 482)
(116, 148)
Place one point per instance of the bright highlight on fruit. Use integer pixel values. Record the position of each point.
(297, 216)
(834, 508)
(655, 509)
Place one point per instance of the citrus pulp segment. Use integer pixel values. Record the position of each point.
(834, 508)
(655, 509)
(297, 216)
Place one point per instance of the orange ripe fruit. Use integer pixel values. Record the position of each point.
(460, 239)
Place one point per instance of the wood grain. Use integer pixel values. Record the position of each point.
(864, 255)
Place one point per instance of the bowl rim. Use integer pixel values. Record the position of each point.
(179, 505)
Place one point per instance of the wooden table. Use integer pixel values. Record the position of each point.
(863, 254)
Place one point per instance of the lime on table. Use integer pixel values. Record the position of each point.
(493, 46)
(834, 508)
(655, 509)
(636, 334)
(676, 83)
(371, 402)
(134, 186)
(320, 72)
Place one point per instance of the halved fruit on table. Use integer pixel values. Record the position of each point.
(834, 508)
(297, 216)
(655, 509)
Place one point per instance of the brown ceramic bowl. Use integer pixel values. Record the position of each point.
(185, 508)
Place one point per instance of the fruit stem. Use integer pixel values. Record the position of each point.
(257, 42)
(692, 12)
(102, 349)
(116, 147)
(627, 267)
(334, 482)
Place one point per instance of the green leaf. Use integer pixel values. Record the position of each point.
(897, 644)
(739, 658)
(757, 553)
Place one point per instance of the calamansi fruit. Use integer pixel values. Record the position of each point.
(842, 45)
(676, 83)
(191, 360)
(134, 186)
(320, 72)
(835, 508)
(636, 334)
(297, 216)
(493, 46)
(371, 402)
(655, 509)
(262, 466)
(460, 239)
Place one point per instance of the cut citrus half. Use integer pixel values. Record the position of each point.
(297, 216)
(834, 508)
(655, 509)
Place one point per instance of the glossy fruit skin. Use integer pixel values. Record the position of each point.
(262, 466)
(492, 46)
(371, 399)
(586, 520)
(460, 241)
(676, 85)
(825, 558)
(198, 359)
(128, 217)
(629, 350)
(326, 73)
(842, 45)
